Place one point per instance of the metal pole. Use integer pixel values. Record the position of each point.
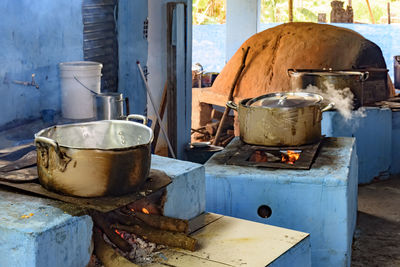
(290, 10)
(171, 150)
(388, 10)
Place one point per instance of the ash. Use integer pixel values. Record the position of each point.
(142, 252)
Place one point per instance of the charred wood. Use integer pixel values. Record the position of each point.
(161, 237)
(108, 255)
(101, 222)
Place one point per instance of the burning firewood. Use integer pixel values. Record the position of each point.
(103, 224)
(108, 256)
(173, 239)
(153, 220)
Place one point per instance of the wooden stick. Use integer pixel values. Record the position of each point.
(101, 222)
(107, 255)
(173, 239)
(290, 10)
(171, 150)
(163, 222)
(163, 104)
(370, 12)
(153, 220)
(230, 97)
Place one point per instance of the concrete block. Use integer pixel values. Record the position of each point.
(373, 135)
(321, 201)
(395, 164)
(186, 196)
(42, 232)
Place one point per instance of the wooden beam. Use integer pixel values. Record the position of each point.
(290, 10)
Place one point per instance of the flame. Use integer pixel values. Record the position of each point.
(119, 233)
(144, 210)
(290, 157)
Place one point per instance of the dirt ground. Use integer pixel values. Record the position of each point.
(377, 238)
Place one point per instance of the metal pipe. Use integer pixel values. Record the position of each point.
(171, 150)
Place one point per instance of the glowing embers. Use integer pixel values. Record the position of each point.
(290, 156)
(300, 157)
(285, 156)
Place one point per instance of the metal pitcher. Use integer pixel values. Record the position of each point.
(109, 106)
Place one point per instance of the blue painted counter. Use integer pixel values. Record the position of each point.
(37, 232)
(321, 201)
(373, 133)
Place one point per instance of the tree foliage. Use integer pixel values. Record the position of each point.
(214, 11)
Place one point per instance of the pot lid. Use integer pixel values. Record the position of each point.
(285, 100)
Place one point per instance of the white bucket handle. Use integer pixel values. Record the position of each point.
(93, 92)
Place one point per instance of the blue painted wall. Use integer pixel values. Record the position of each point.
(209, 42)
(132, 46)
(35, 37)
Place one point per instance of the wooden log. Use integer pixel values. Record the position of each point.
(107, 255)
(153, 220)
(101, 222)
(172, 239)
(163, 222)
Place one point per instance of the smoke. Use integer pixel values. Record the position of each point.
(342, 98)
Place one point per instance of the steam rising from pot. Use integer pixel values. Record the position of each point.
(343, 99)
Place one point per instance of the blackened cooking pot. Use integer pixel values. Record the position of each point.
(110, 157)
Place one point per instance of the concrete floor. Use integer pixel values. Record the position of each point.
(377, 238)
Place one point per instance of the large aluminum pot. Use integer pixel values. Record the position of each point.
(92, 159)
(340, 79)
(281, 119)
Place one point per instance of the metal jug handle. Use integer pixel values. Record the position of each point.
(232, 105)
(137, 117)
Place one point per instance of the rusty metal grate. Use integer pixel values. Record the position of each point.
(243, 156)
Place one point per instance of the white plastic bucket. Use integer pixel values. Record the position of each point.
(77, 102)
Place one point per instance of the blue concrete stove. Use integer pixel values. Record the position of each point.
(321, 201)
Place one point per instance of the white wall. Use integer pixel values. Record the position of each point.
(242, 21)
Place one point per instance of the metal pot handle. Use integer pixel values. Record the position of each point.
(328, 107)
(364, 76)
(48, 141)
(137, 117)
(290, 72)
(63, 158)
(232, 105)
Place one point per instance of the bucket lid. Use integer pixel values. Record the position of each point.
(80, 65)
(285, 100)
